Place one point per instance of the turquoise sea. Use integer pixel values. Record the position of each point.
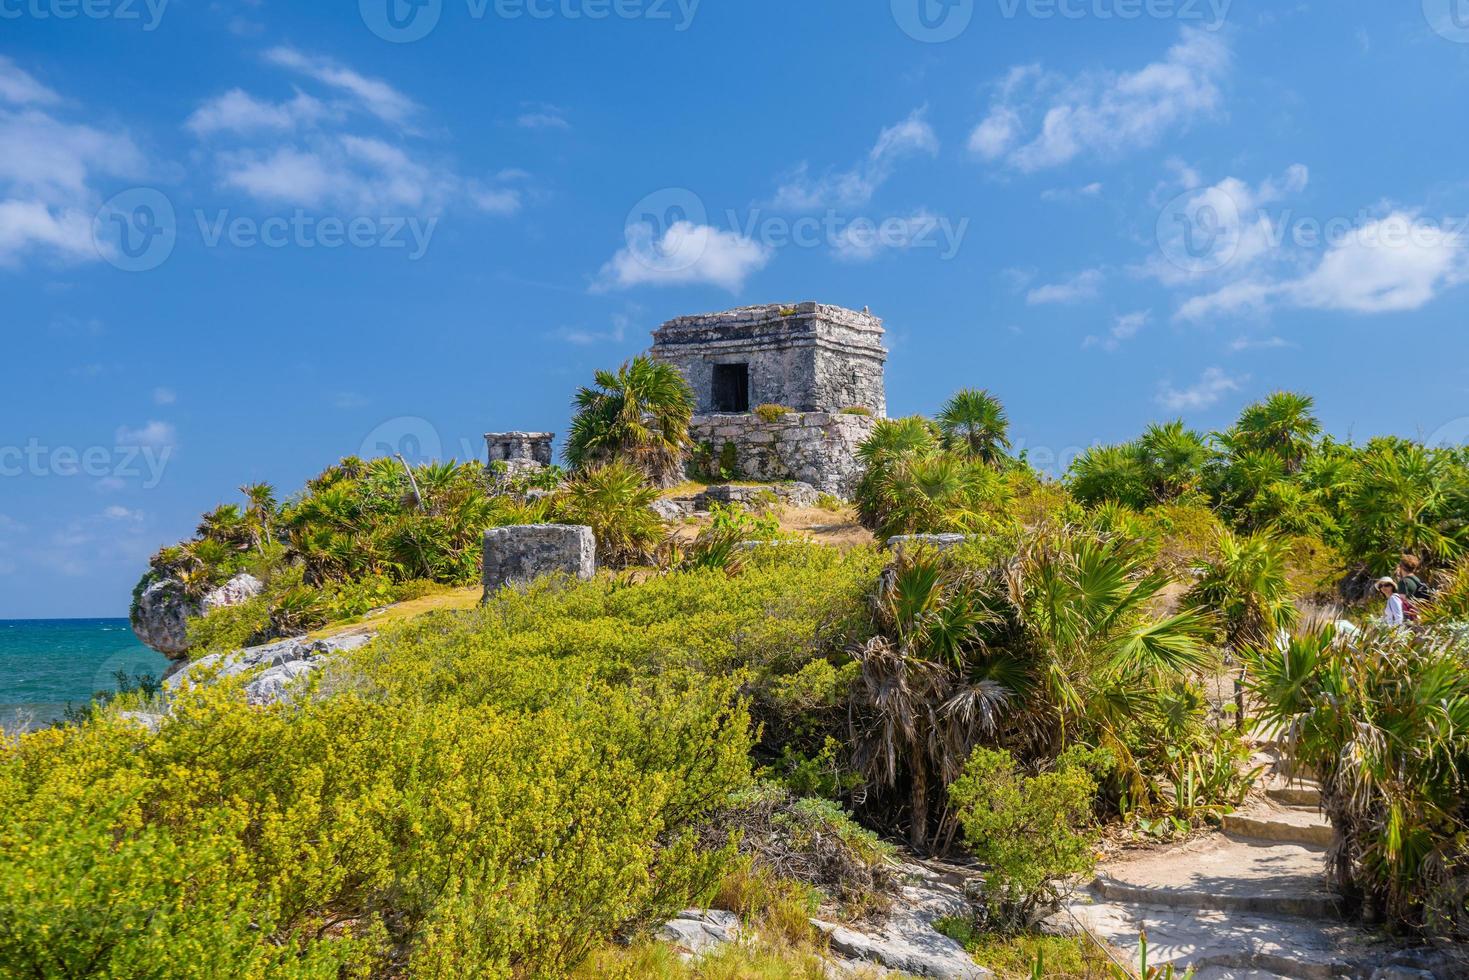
(47, 663)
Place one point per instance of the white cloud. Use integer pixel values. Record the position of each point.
(300, 152)
(1043, 119)
(855, 187)
(374, 95)
(117, 513)
(164, 396)
(152, 435)
(49, 169)
(615, 334)
(686, 254)
(1083, 286)
(1213, 385)
(20, 87)
(1093, 189)
(1124, 328)
(863, 241)
(1397, 263)
(542, 116)
(237, 111)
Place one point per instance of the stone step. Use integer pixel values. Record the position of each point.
(1280, 825)
(1221, 945)
(1224, 873)
(1297, 793)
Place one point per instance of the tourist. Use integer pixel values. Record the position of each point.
(1392, 615)
(1409, 584)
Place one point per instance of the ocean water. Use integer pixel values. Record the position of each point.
(47, 663)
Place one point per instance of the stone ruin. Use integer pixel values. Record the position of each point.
(822, 365)
(519, 451)
(523, 553)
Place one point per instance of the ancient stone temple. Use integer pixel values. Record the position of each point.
(819, 369)
(808, 358)
(519, 450)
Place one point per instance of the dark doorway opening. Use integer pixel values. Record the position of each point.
(731, 388)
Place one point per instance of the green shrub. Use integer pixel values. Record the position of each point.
(615, 502)
(856, 410)
(1382, 717)
(829, 502)
(717, 546)
(1033, 832)
(230, 627)
(729, 462)
(772, 413)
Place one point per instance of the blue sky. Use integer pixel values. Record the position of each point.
(240, 240)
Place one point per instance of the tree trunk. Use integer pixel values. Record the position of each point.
(918, 832)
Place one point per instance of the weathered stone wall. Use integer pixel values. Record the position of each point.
(525, 552)
(819, 448)
(810, 357)
(519, 447)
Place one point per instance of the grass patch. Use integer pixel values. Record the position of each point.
(1017, 956)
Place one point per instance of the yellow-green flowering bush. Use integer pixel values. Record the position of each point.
(493, 793)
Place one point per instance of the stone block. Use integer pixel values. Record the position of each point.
(525, 552)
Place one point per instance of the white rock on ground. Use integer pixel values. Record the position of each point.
(907, 940)
(282, 664)
(697, 931)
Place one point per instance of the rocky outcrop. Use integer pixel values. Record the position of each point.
(282, 666)
(525, 552)
(160, 616)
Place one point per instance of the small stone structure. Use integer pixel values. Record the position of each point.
(818, 448)
(525, 552)
(520, 450)
(809, 357)
(824, 364)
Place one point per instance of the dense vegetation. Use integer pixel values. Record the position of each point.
(507, 791)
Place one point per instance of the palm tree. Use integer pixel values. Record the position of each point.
(261, 513)
(1244, 584)
(935, 494)
(1057, 646)
(974, 422)
(1111, 473)
(1283, 424)
(1407, 499)
(640, 414)
(1176, 456)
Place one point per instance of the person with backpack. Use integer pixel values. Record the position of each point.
(1410, 586)
(1400, 609)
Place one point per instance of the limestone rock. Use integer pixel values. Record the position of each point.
(241, 588)
(907, 941)
(280, 664)
(792, 494)
(938, 541)
(815, 448)
(525, 552)
(159, 616)
(673, 508)
(697, 931)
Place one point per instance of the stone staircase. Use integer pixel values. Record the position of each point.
(1248, 901)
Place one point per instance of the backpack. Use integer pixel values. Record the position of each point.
(1410, 610)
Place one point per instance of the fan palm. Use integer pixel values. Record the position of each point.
(640, 413)
(1283, 424)
(974, 422)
